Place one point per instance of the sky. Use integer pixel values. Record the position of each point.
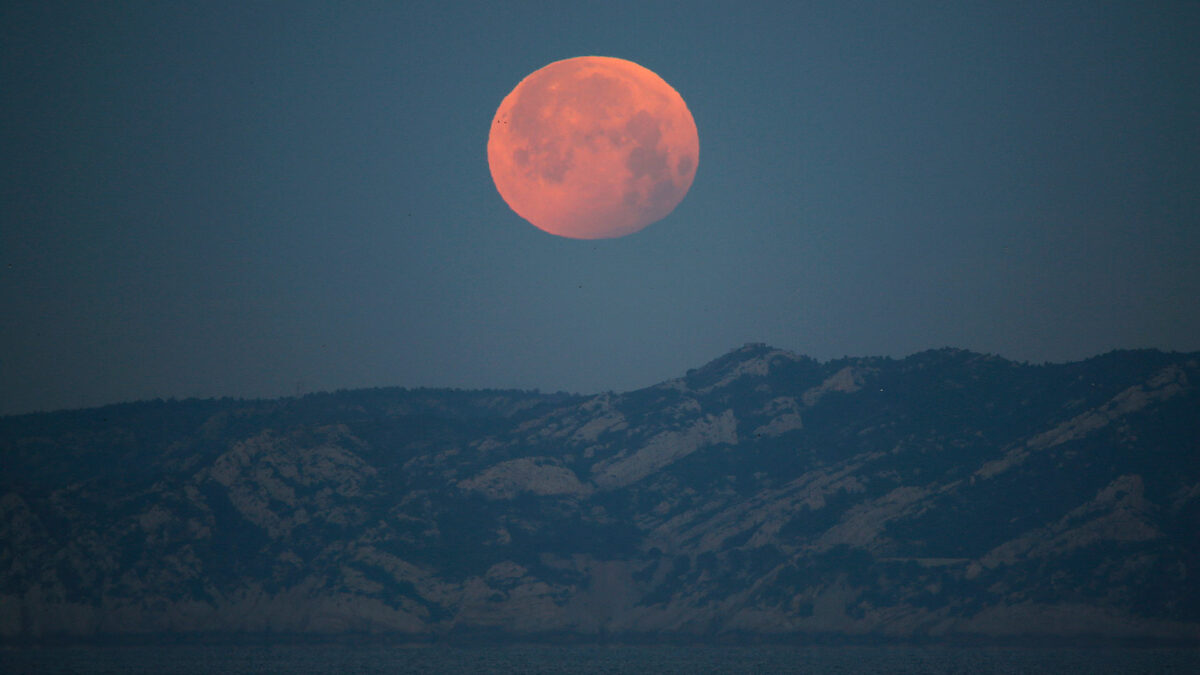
(263, 199)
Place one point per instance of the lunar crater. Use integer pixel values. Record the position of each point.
(592, 148)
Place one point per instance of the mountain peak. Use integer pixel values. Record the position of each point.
(947, 495)
(754, 359)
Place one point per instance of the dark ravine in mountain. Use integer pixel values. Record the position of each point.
(945, 496)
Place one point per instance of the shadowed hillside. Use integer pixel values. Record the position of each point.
(948, 495)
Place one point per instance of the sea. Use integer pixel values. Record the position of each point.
(373, 659)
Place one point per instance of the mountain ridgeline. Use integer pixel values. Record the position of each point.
(945, 496)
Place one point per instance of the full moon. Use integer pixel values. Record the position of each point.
(592, 148)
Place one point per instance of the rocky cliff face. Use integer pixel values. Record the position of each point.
(946, 495)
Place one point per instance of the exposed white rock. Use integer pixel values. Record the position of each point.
(758, 366)
(684, 409)
(508, 597)
(862, 525)
(1119, 512)
(1185, 495)
(589, 431)
(784, 413)
(1166, 384)
(538, 475)
(765, 514)
(506, 570)
(664, 449)
(846, 381)
(269, 468)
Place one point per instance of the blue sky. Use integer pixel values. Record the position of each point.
(254, 199)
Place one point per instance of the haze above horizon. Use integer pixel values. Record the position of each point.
(220, 199)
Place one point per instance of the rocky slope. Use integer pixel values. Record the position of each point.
(948, 495)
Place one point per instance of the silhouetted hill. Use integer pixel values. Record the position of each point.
(947, 495)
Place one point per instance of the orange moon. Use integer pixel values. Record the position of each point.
(593, 147)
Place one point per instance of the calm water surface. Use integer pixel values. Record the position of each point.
(660, 660)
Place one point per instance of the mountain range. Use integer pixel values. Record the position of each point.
(945, 496)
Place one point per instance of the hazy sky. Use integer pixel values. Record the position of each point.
(250, 199)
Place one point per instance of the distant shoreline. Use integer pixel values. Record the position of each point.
(484, 638)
